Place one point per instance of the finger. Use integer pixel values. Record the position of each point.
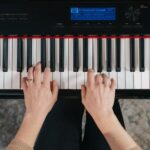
(37, 74)
(106, 80)
(46, 77)
(30, 75)
(113, 85)
(90, 77)
(55, 89)
(98, 79)
(24, 84)
(83, 92)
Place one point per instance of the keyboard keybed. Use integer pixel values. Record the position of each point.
(125, 59)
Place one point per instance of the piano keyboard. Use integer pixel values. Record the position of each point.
(126, 60)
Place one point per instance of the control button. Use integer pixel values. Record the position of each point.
(59, 24)
(133, 14)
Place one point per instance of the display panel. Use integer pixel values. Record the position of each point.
(93, 14)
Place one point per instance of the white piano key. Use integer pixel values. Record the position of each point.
(85, 77)
(129, 75)
(48, 55)
(121, 81)
(8, 75)
(90, 53)
(104, 53)
(72, 75)
(64, 75)
(95, 63)
(137, 73)
(34, 52)
(146, 74)
(80, 73)
(15, 74)
(1, 62)
(38, 50)
(24, 71)
(56, 74)
(1, 52)
(113, 73)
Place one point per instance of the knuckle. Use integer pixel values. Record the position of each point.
(90, 87)
(36, 68)
(45, 86)
(92, 90)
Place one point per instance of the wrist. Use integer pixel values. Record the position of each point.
(35, 115)
(105, 121)
(103, 115)
(30, 118)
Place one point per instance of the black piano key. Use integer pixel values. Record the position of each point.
(5, 55)
(108, 42)
(75, 55)
(85, 55)
(61, 55)
(142, 55)
(118, 55)
(29, 53)
(52, 54)
(19, 55)
(43, 54)
(99, 56)
(132, 55)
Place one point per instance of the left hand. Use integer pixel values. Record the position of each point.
(40, 96)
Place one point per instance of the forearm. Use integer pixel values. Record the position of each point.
(114, 133)
(18, 145)
(30, 128)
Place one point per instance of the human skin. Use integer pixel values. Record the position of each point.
(40, 96)
(98, 97)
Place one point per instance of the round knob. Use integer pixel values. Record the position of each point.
(133, 14)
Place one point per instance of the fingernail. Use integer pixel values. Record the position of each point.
(48, 69)
(31, 68)
(38, 63)
(90, 70)
(102, 74)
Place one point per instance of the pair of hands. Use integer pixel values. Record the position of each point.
(40, 95)
(97, 96)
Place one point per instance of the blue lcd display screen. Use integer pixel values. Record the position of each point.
(93, 14)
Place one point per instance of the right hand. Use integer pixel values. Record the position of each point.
(98, 97)
(98, 94)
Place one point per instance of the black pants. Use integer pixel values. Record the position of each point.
(62, 128)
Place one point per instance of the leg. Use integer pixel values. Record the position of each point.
(93, 139)
(62, 127)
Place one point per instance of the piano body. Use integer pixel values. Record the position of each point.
(72, 36)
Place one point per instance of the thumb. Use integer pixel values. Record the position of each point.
(83, 92)
(55, 90)
(23, 83)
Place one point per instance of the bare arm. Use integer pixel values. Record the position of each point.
(98, 98)
(40, 96)
(115, 134)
